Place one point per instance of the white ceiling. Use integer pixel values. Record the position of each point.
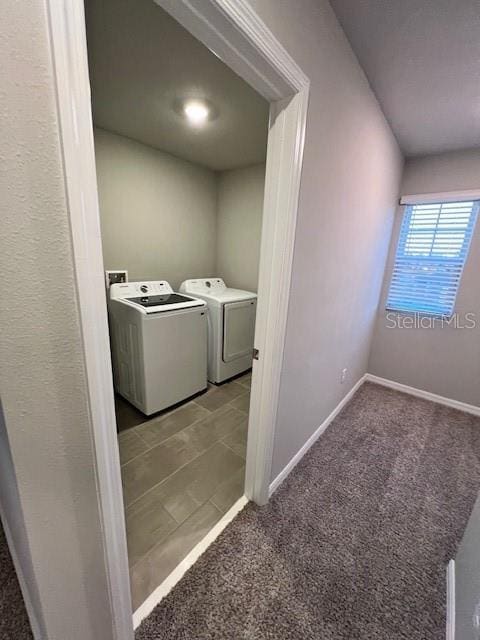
(142, 61)
(422, 58)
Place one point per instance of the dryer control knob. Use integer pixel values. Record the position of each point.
(144, 288)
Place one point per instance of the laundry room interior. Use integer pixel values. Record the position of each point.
(180, 148)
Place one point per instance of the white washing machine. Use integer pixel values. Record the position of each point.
(231, 326)
(159, 344)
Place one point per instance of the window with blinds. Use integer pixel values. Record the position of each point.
(432, 250)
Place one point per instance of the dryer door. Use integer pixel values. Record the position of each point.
(238, 329)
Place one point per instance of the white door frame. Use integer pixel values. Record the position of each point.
(233, 31)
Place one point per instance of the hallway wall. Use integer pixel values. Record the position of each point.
(42, 368)
(442, 360)
(351, 174)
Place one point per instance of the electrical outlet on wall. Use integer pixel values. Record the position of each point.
(343, 375)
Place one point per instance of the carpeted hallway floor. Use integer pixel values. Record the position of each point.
(355, 542)
(14, 624)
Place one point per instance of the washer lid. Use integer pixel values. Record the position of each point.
(152, 297)
(162, 304)
(232, 295)
(160, 301)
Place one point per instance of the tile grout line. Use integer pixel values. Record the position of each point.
(219, 441)
(228, 435)
(197, 507)
(193, 401)
(232, 450)
(227, 407)
(173, 473)
(183, 465)
(173, 435)
(210, 411)
(150, 447)
(158, 543)
(169, 533)
(139, 426)
(169, 476)
(242, 468)
(234, 407)
(241, 410)
(210, 501)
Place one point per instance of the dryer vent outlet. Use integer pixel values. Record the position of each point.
(114, 277)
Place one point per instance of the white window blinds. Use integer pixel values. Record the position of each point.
(432, 249)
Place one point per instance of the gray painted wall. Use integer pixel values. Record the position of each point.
(158, 212)
(53, 511)
(442, 172)
(164, 218)
(239, 226)
(443, 360)
(349, 187)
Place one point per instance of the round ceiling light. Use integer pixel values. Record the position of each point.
(197, 112)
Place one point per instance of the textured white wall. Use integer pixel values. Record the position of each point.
(158, 212)
(239, 226)
(11, 513)
(42, 373)
(349, 187)
(443, 360)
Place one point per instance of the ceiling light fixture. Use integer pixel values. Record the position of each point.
(197, 112)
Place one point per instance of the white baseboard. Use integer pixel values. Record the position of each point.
(177, 574)
(450, 634)
(427, 395)
(314, 437)
(419, 393)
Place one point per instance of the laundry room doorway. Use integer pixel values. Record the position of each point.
(180, 150)
(155, 301)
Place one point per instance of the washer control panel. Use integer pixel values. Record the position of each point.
(135, 289)
(204, 285)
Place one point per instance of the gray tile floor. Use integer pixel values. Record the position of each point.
(181, 471)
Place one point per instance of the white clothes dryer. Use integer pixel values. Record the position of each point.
(231, 326)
